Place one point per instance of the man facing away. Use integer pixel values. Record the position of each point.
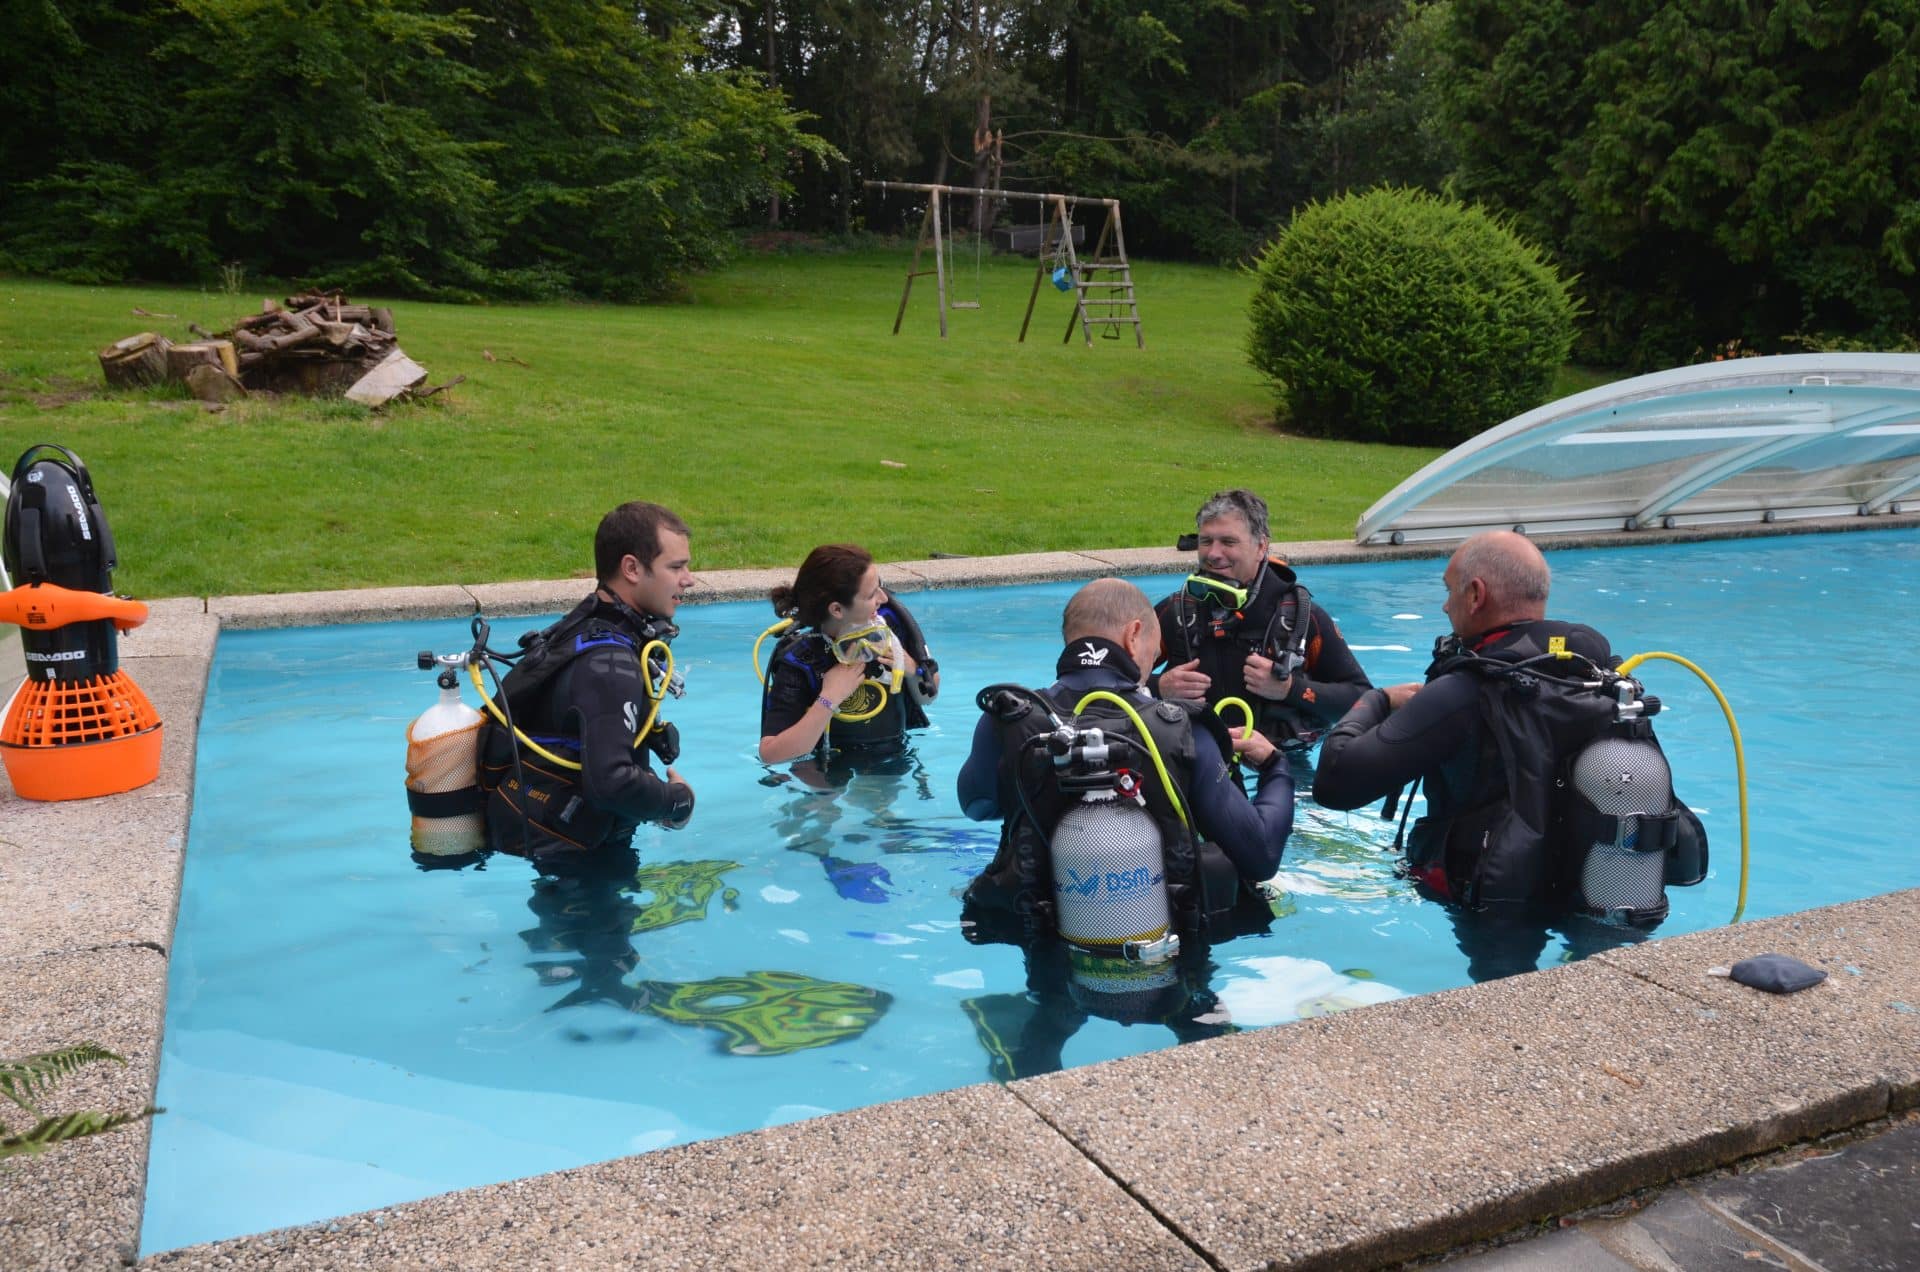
(1216, 842)
(573, 778)
(1243, 627)
(1488, 749)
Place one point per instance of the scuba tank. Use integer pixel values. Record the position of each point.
(1622, 796)
(443, 762)
(1109, 864)
(1109, 874)
(79, 726)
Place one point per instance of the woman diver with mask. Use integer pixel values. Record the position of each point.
(845, 682)
(851, 669)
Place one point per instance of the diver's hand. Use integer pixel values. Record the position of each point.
(1399, 696)
(682, 814)
(842, 679)
(1260, 679)
(1253, 746)
(1186, 682)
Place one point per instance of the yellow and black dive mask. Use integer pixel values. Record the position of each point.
(872, 643)
(1220, 593)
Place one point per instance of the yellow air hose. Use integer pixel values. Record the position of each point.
(1146, 735)
(1739, 759)
(847, 717)
(1219, 709)
(656, 692)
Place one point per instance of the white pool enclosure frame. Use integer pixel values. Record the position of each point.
(1748, 439)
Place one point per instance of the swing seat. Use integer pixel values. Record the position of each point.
(1063, 278)
(963, 304)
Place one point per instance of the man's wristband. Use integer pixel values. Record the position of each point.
(830, 706)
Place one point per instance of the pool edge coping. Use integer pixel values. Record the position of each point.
(90, 1181)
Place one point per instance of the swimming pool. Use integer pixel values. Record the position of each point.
(345, 1031)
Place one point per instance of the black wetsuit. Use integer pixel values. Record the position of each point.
(1244, 838)
(1330, 684)
(1441, 737)
(588, 708)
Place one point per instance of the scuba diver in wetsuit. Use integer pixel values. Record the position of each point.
(1243, 627)
(1126, 846)
(848, 677)
(572, 778)
(1512, 702)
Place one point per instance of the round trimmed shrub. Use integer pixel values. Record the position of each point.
(1400, 316)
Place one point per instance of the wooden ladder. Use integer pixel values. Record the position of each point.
(1103, 294)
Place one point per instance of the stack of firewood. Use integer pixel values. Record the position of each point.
(317, 344)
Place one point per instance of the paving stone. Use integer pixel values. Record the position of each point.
(1855, 1207)
(1676, 1231)
(90, 873)
(1425, 1123)
(1569, 1250)
(550, 596)
(714, 586)
(1865, 1015)
(176, 627)
(1032, 567)
(966, 1179)
(78, 1205)
(368, 605)
(1133, 561)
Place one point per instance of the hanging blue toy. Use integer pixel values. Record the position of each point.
(1062, 278)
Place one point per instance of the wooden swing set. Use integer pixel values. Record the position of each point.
(1102, 283)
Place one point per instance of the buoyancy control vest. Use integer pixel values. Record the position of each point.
(1276, 623)
(1016, 899)
(528, 793)
(804, 649)
(1585, 817)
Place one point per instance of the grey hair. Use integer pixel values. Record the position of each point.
(1241, 503)
(1103, 608)
(1512, 568)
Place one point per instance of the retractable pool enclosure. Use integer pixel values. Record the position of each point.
(1750, 439)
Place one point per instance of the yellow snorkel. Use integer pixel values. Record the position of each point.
(1246, 710)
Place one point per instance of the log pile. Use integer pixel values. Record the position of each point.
(317, 344)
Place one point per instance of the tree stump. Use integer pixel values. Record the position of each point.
(210, 382)
(183, 358)
(137, 360)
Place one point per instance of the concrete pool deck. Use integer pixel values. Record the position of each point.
(1377, 1135)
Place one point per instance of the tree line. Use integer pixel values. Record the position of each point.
(1708, 170)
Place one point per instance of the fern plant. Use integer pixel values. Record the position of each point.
(26, 1080)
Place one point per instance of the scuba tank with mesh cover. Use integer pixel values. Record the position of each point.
(443, 760)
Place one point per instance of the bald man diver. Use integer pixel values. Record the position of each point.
(1470, 850)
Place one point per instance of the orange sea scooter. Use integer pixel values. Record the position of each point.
(78, 726)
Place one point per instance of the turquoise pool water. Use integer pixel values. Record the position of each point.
(345, 1031)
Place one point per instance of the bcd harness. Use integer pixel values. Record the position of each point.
(1285, 640)
(1544, 838)
(533, 772)
(1046, 770)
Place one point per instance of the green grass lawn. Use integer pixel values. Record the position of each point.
(761, 409)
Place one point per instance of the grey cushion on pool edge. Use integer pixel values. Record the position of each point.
(1776, 973)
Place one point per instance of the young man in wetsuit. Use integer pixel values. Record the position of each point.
(1218, 646)
(581, 691)
(1112, 636)
(1496, 585)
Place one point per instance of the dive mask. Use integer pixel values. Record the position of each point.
(1220, 593)
(872, 643)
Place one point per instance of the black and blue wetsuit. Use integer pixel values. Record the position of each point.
(580, 694)
(800, 663)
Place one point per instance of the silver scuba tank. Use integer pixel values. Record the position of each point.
(1625, 777)
(1109, 874)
